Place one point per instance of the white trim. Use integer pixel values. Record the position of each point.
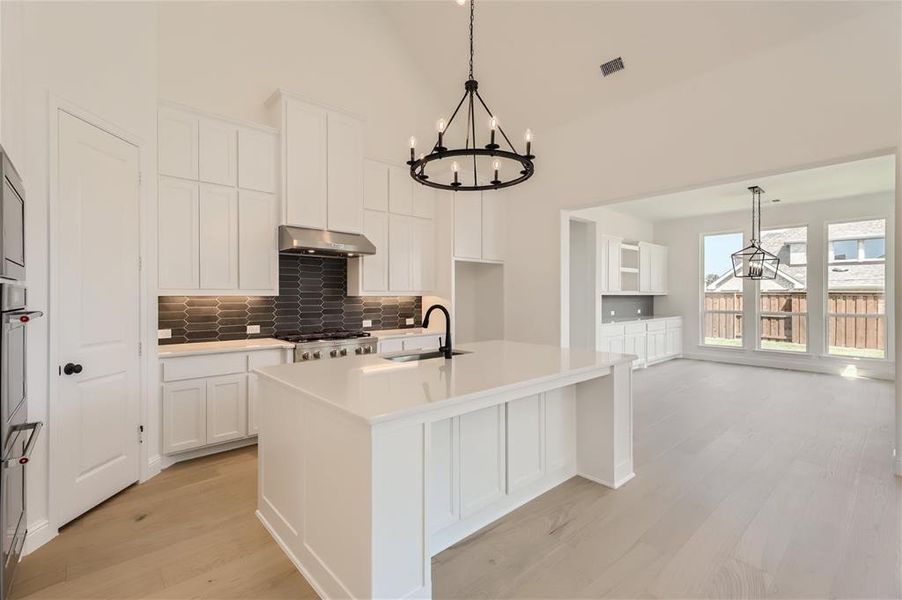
(38, 535)
(291, 557)
(167, 460)
(873, 370)
(55, 105)
(203, 113)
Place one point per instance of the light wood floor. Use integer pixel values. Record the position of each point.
(750, 483)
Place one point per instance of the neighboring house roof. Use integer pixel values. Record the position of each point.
(846, 275)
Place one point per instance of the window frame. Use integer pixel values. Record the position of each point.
(886, 316)
(702, 285)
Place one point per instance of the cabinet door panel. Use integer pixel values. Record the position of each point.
(422, 268)
(492, 227)
(646, 266)
(375, 266)
(426, 342)
(468, 225)
(400, 191)
(184, 415)
(226, 408)
(345, 168)
(257, 151)
(399, 242)
(423, 201)
(218, 152)
(394, 345)
(218, 237)
(481, 458)
(525, 452)
(177, 139)
(560, 429)
(305, 165)
(257, 244)
(178, 230)
(444, 508)
(375, 185)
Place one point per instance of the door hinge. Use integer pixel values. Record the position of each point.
(140, 348)
(140, 263)
(140, 434)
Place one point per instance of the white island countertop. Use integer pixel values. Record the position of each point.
(376, 389)
(192, 348)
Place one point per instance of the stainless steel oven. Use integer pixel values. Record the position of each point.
(12, 221)
(17, 435)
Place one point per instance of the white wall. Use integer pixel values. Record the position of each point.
(228, 58)
(828, 96)
(683, 237)
(611, 222)
(71, 51)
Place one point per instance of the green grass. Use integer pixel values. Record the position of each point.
(782, 346)
(857, 352)
(731, 342)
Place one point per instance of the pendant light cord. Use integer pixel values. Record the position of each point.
(472, 7)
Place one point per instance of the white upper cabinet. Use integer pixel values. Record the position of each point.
(304, 166)
(400, 240)
(323, 171)
(468, 225)
(345, 169)
(218, 237)
(217, 223)
(375, 186)
(177, 139)
(178, 230)
(400, 194)
(422, 255)
(492, 227)
(608, 262)
(257, 152)
(423, 201)
(375, 267)
(218, 152)
(258, 258)
(652, 268)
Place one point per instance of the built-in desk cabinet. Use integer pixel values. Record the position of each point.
(651, 340)
(217, 206)
(211, 399)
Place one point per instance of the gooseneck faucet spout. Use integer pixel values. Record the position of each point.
(446, 348)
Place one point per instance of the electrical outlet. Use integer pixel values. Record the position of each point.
(164, 334)
(367, 323)
(408, 321)
(253, 329)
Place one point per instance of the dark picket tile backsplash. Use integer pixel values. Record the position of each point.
(312, 296)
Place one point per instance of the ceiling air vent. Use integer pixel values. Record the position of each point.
(612, 66)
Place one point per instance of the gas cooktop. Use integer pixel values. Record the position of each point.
(322, 336)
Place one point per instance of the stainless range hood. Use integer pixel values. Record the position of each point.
(322, 242)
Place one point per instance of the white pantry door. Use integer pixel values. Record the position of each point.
(97, 319)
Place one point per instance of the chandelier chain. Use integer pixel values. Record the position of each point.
(472, 9)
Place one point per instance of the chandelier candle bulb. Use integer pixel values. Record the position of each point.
(440, 126)
(528, 137)
(455, 168)
(496, 165)
(413, 145)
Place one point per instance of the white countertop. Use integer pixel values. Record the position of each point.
(636, 319)
(376, 389)
(387, 334)
(221, 347)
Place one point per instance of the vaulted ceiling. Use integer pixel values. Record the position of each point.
(538, 61)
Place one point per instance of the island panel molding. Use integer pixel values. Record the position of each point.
(382, 486)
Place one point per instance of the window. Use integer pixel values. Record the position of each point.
(798, 253)
(722, 298)
(856, 289)
(783, 301)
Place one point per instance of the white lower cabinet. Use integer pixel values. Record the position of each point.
(482, 461)
(211, 399)
(413, 342)
(226, 408)
(652, 341)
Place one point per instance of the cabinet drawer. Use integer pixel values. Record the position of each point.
(264, 358)
(673, 323)
(655, 325)
(634, 328)
(209, 365)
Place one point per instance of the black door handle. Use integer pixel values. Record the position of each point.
(71, 368)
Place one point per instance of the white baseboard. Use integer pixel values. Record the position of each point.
(38, 535)
(899, 467)
(152, 468)
(168, 460)
(294, 559)
(833, 366)
(611, 484)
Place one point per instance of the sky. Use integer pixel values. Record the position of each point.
(718, 249)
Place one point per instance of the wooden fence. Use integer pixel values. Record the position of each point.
(854, 320)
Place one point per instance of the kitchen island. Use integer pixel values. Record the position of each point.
(369, 466)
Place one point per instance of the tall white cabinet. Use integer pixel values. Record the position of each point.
(322, 158)
(217, 205)
(398, 220)
(478, 226)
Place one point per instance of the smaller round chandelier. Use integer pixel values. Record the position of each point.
(753, 261)
(472, 168)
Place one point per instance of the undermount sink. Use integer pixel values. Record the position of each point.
(422, 355)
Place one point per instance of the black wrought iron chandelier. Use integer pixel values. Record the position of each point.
(441, 167)
(753, 261)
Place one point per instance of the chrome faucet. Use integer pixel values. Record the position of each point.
(446, 348)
